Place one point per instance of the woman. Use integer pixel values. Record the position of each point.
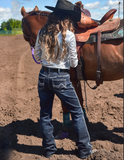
(56, 49)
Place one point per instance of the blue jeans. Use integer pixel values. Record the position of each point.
(49, 84)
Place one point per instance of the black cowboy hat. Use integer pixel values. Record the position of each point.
(66, 7)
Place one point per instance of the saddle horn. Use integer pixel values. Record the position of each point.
(23, 11)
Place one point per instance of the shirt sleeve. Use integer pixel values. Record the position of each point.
(73, 52)
(37, 50)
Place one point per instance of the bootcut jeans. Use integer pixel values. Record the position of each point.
(49, 84)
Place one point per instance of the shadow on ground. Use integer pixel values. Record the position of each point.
(121, 95)
(8, 136)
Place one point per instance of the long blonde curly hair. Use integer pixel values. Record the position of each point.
(57, 21)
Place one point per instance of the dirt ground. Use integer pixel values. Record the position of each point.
(20, 137)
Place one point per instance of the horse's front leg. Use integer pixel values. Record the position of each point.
(77, 86)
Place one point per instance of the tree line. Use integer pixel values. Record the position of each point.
(10, 24)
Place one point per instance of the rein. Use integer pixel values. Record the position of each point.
(32, 49)
(25, 35)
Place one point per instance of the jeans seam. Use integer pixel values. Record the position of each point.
(42, 75)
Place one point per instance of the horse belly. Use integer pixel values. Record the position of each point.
(111, 60)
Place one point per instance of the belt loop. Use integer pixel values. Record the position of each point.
(59, 70)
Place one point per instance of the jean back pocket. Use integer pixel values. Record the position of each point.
(41, 83)
(59, 84)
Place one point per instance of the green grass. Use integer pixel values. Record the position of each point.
(11, 32)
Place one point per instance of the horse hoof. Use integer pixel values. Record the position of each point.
(62, 135)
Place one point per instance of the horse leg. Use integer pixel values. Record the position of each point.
(77, 86)
(66, 119)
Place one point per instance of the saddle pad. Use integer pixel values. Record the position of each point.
(106, 36)
(107, 26)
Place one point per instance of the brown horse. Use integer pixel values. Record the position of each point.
(111, 52)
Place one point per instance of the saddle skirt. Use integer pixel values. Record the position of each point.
(118, 33)
(82, 35)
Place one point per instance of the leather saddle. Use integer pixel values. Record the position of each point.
(88, 26)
